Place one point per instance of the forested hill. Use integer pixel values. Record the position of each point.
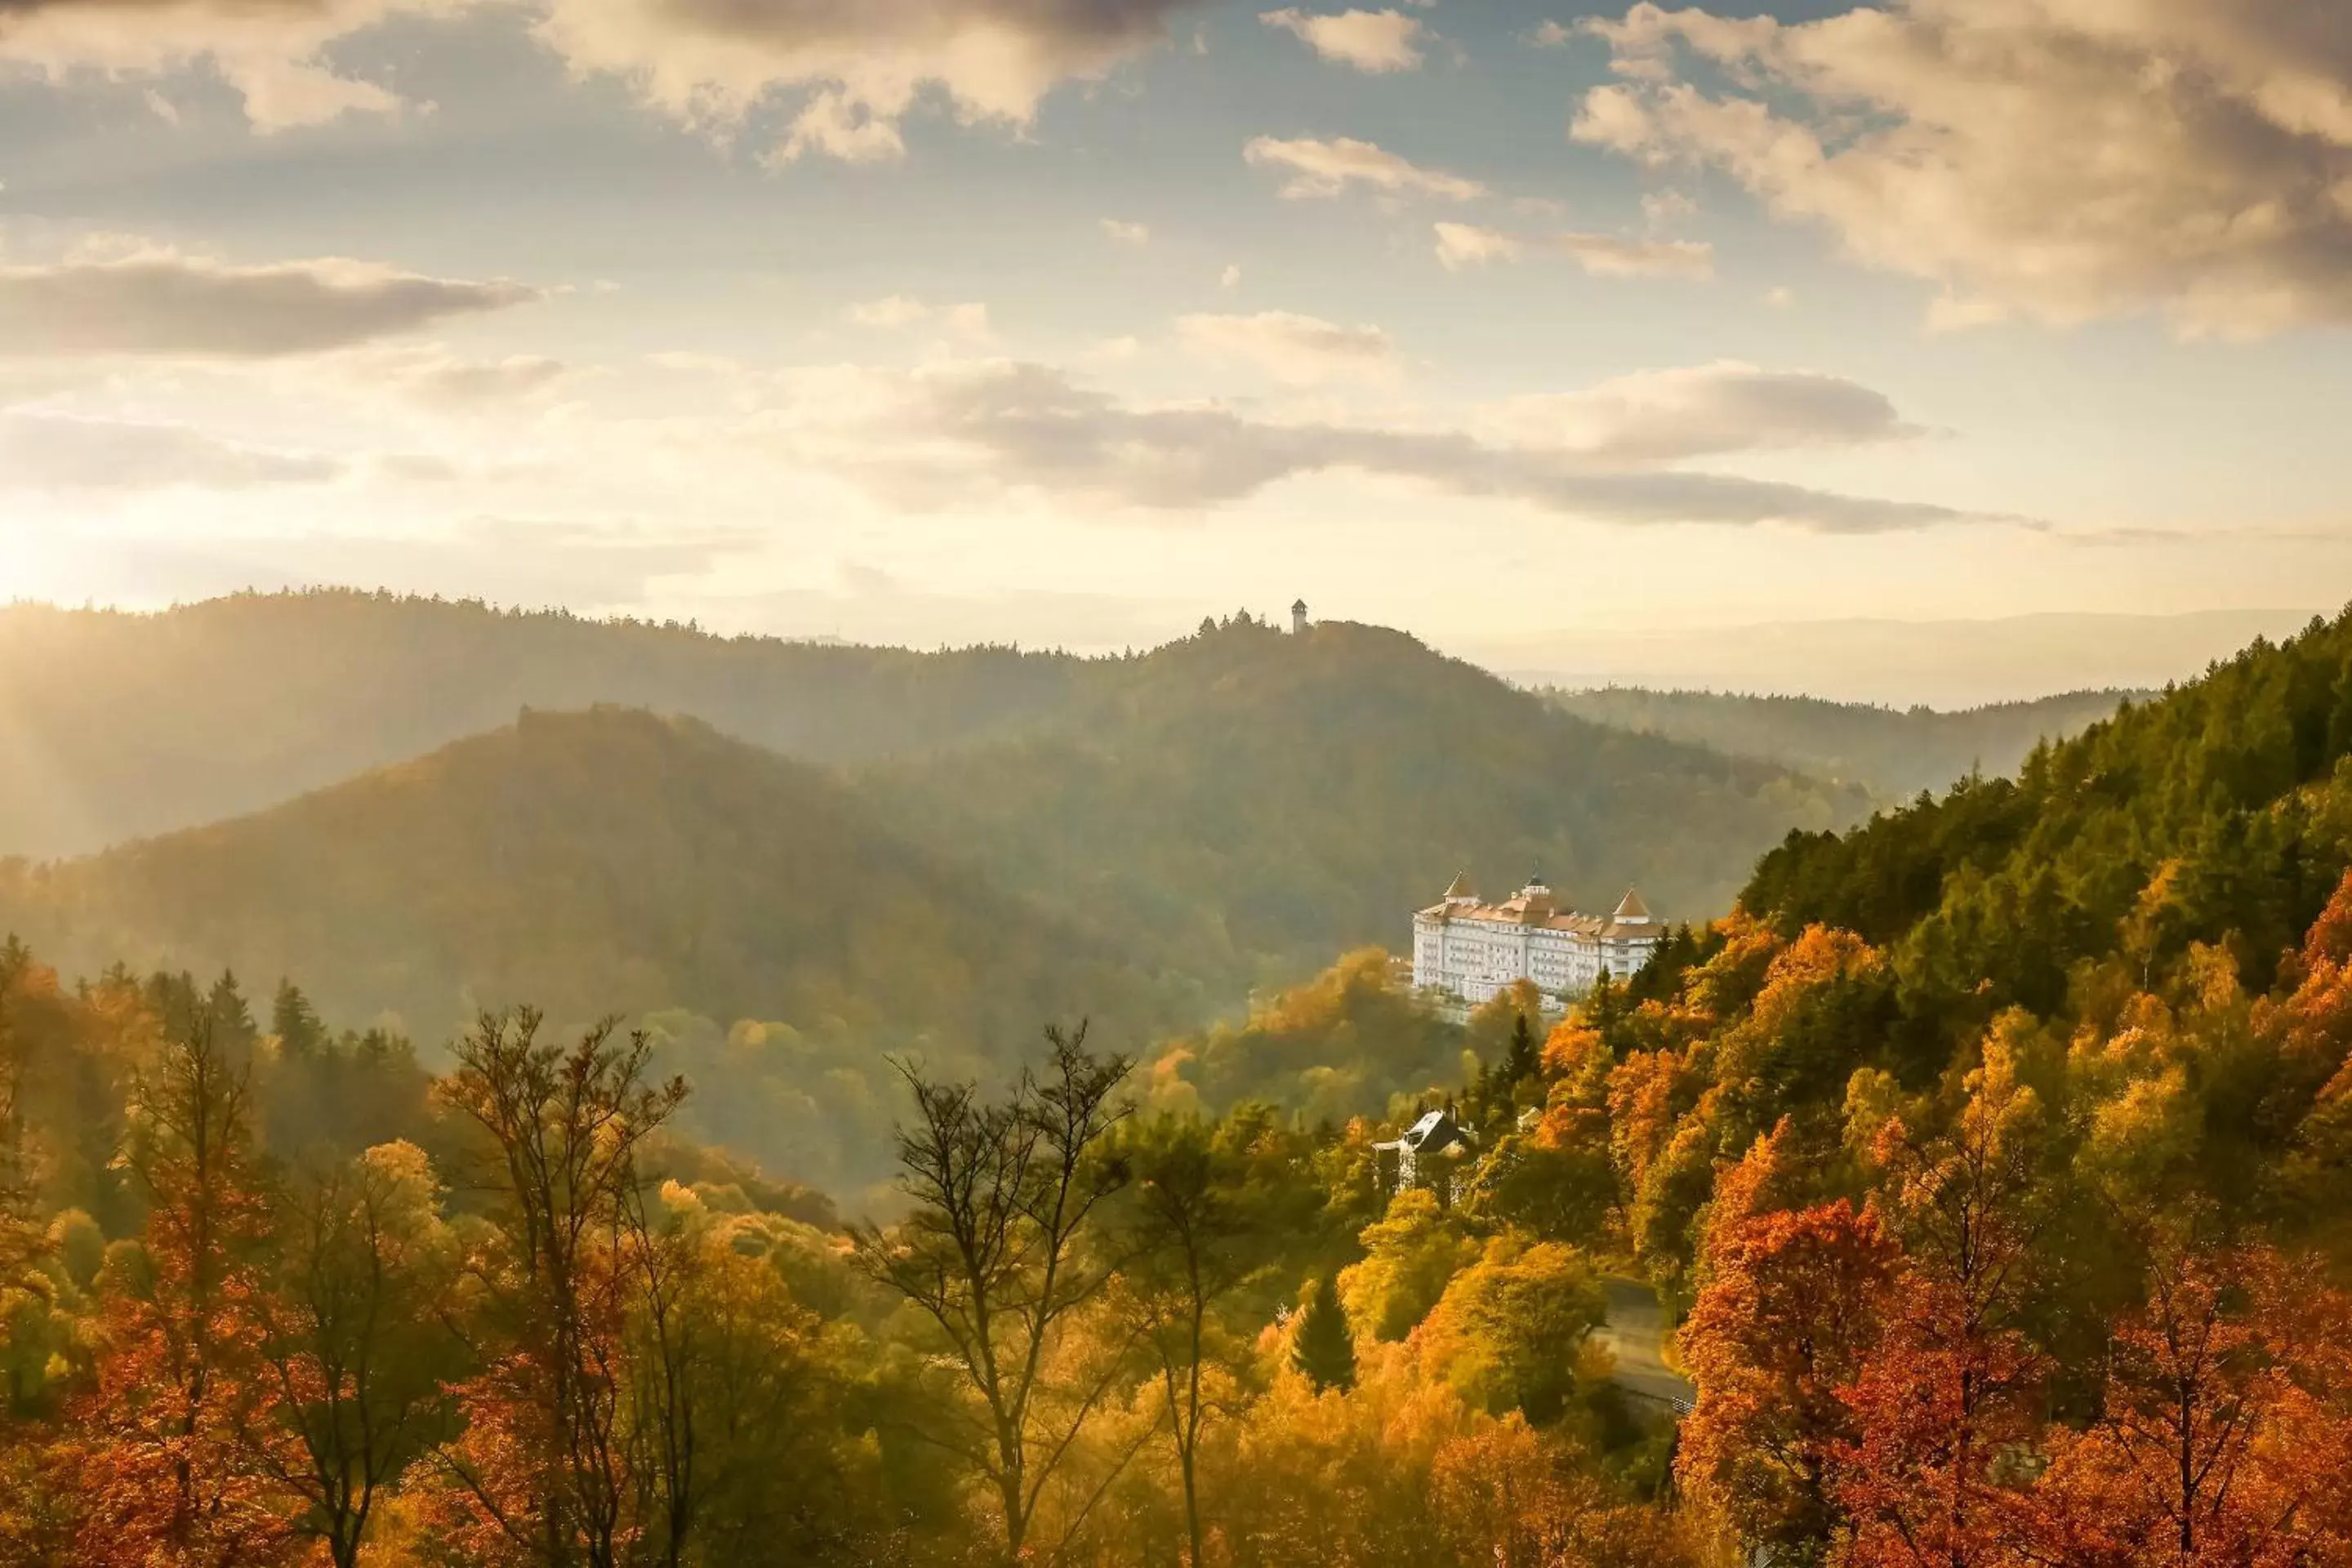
(1251, 802)
(2219, 812)
(114, 725)
(588, 863)
(1893, 752)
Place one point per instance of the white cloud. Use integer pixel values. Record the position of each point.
(890, 312)
(1551, 35)
(55, 453)
(273, 55)
(1607, 256)
(1374, 41)
(1669, 416)
(1666, 209)
(1121, 232)
(1319, 169)
(1230, 278)
(1462, 245)
(859, 65)
(2062, 159)
(161, 303)
(1298, 351)
(971, 433)
(967, 323)
(446, 381)
(849, 71)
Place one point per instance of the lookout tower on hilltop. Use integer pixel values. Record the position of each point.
(1298, 619)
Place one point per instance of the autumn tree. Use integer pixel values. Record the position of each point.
(554, 1462)
(1791, 1311)
(165, 1465)
(2206, 1449)
(1001, 1255)
(22, 1238)
(1189, 1245)
(1948, 1397)
(1509, 1332)
(1409, 1253)
(355, 1345)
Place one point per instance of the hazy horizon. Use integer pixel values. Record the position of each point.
(1882, 662)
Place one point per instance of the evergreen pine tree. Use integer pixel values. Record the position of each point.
(1325, 1349)
(232, 1021)
(1601, 1009)
(295, 1022)
(1520, 1066)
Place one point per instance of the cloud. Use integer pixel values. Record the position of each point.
(848, 70)
(445, 380)
(1300, 351)
(967, 323)
(55, 453)
(1666, 209)
(163, 303)
(858, 67)
(1374, 41)
(1669, 416)
(945, 436)
(889, 313)
(272, 53)
(2065, 159)
(1462, 245)
(1323, 169)
(1607, 256)
(1122, 233)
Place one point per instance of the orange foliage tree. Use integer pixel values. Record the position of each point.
(1793, 1306)
(165, 1468)
(2218, 1442)
(1947, 1400)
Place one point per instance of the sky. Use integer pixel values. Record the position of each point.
(1550, 332)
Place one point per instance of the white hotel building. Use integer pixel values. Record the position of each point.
(1472, 950)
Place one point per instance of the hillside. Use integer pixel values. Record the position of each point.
(1258, 801)
(1893, 752)
(611, 862)
(2221, 813)
(115, 725)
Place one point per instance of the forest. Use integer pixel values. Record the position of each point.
(1164, 840)
(1893, 752)
(1990, 1161)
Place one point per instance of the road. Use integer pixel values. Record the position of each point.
(1636, 1334)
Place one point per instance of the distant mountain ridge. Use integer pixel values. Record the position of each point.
(1261, 801)
(1894, 752)
(606, 861)
(116, 725)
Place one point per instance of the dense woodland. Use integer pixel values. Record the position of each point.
(1992, 1158)
(122, 725)
(1893, 752)
(1164, 836)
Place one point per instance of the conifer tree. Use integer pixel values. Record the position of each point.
(1324, 1350)
(230, 1019)
(295, 1022)
(1520, 1066)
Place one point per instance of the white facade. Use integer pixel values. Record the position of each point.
(1471, 949)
